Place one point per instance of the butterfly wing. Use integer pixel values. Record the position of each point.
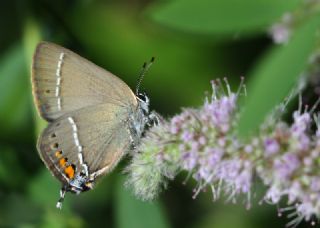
(63, 81)
(99, 134)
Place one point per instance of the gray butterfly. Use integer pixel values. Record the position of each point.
(94, 117)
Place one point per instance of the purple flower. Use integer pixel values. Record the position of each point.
(189, 160)
(243, 181)
(280, 33)
(202, 140)
(174, 129)
(271, 146)
(315, 184)
(205, 172)
(286, 165)
(229, 169)
(274, 194)
(301, 123)
(248, 148)
(214, 156)
(303, 142)
(219, 112)
(204, 143)
(187, 136)
(294, 191)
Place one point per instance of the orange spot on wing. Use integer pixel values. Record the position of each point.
(69, 171)
(58, 154)
(62, 162)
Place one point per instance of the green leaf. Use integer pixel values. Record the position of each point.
(221, 16)
(44, 190)
(9, 164)
(131, 212)
(53, 218)
(14, 91)
(276, 75)
(31, 37)
(225, 216)
(179, 62)
(18, 211)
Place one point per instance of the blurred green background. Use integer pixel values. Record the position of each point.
(193, 42)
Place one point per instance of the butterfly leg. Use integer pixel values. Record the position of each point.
(131, 139)
(133, 143)
(62, 194)
(154, 119)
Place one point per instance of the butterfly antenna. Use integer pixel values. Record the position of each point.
(144, 70)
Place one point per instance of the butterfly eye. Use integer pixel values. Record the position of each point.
(142, 97)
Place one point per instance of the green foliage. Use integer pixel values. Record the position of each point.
(31, 37)
(132, 212)
(132, 42)
(14, 94)
(221, 17)
(120, 36)
(277, 74)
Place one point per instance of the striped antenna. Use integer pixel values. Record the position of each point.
(144, 70)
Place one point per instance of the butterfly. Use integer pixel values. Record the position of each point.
(93, 117)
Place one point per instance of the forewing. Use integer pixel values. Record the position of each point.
(63, 82)
(99, 133)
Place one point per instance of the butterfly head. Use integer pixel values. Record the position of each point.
(144, 102)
